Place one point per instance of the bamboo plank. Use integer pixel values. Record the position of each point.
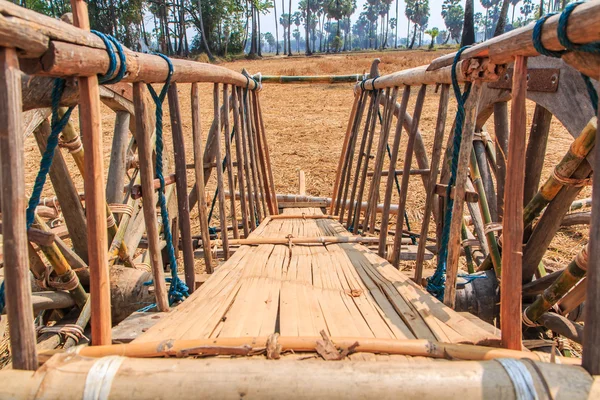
(510, 288)
(14, 230)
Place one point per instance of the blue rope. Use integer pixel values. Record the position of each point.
(564, 40)
(2, 297)
(436, 284)
(57, 125)
(109, 41)
(178, 289)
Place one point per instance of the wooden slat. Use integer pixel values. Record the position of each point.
(220, 179)
(229, 162)
(512, 249)
(14, 233)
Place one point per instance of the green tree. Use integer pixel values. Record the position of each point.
(417, 12)
(454, 18)
(433, 32)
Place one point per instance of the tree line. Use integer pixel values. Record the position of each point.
(222, 27)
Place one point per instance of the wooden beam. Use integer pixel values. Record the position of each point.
(91, 130)
(14, 234)
(591, 336)
(143, 131)
(118, 153)
(512, 254)
(501, 131)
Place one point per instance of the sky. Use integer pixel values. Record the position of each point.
(267, 21)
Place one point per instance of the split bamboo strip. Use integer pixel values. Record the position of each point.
(199, 173)
(486, 176)
(143, 132)
(220, 182)
(591, 337)
(501, 132)
(263, 155)
(258, 164)
(183, 206)
(90, 124)
(519, 42)
(435, 159)
(536, 151)
(389, 187)
(338, 171)
(229, 162)
(117, 168)
(406, 176)
(14, 230)
(371, 212)
(466, 145)
(256, 192)
(235, 99)
(510, 285)
(569, 277)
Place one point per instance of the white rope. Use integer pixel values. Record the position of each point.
(100, 377)
(520, 377)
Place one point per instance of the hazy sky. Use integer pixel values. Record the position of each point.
(267, 21)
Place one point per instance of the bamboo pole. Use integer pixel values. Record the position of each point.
(247, 168)
(591, 337)
(117, 168)
(199, 172)
(14, 230)
(256, 162)
(183, 206)
(569, 277)
(353, 78)
(371, 212)
(486, 176)
(267, 155)
(220, 183)
(435, 160)
(262, 149)
(143, 130)
(466, 145)
(240, 160)
(406, 175)
(501, 131)
(252, 160)
(389, 187)
(510, 285)
(90, 121)
(536, 151)
(229, 161)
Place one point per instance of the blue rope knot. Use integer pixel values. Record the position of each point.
(109, 41)
(436, 284)
(178, 290)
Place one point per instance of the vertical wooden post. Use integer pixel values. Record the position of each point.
(246, 154)
(267, 155)
(338, 172)
(466, 145)
(435, 161)
(183, 204)
(143, 132)
(591, 329)
(118, 155)
(512, 249)
(199, 171)
(237, 126)
(501, 131)
(95, 195)
(536, 151)
(14, 230)
(253, 130)
(251, 155)
(220, 183)
(406, 176)
(389, 187)
(229, 163)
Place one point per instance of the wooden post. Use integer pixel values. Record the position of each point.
(229, 162)
(389, 187)
(143, 132)
(265, 146)
(501, 131)
(199, 172)
(256, 162)
(247, 168)
(338, 172)
(183, 204)
(14, 230)
(406, 176)
(591, 329)
(220, 183)
(466, 145)
(95, 196)
(262, 150)
(237, 126)
(253, 163)
(536, 151)
(435, 160)
(512, 249)
(117, 168)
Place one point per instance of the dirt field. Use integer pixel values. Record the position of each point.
(306, 123)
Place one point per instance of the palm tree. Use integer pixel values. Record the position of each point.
(276, 28)
(289, 29)
(433, 32)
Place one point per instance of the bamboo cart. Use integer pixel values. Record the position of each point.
(310, 282)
